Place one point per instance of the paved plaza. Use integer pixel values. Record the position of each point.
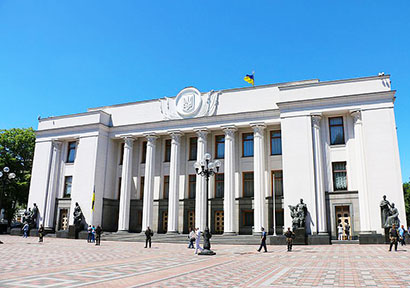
(75, 263)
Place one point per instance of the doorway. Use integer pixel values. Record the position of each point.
(219, 221)
(63, 221)
(343, 217)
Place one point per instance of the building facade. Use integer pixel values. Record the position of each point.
(332, 144)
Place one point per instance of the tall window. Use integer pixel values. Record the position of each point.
(277, 183)
(220, 146)
(122, 153)
(339, 176)
(191, 186)
(276, 142)
(193, 144)
(219, 185)
(67, 186)
(247, 184)
(247, 219)
(166, 187)
(144, 152)
(247, 144)
(142, 187)
(336, 131)
(167, 150)
(71, 152)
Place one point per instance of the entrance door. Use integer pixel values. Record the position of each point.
(191, 220)
(63, 221)
(165, 221)
(343, 217)
(219, 221)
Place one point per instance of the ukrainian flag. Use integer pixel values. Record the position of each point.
(93, 200)
(249, 79)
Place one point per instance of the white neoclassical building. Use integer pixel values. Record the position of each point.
(332, 143)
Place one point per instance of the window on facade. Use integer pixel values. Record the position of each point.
(67, 186)
(166, 187)
(144, 152)
(247, 144)
(247, 218)
(219, 146)
(219, 185)
(277, 183)
(192, 186)
(193, 144)
(276, 143)
(72, 146)
(119, 187)
(167, 150)
(122, 153)
(142, 187)
(339, 176)
(336, 131)
(247, 184)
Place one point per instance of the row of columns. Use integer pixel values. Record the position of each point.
(200, 201)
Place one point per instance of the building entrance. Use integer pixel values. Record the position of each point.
(191, 220)
(63, 221)
(343, 217)
(219, 221)
(165, 221)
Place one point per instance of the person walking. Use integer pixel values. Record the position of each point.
(148, 235)
(289, 238)
(402, 235)
(347, 231)
(197, 240)
(93, 234)
(25, 230)
(393, 234)
(40, 233)
(340, 231)
(263, 241)
(90, 233)
(191, 238)
(98, 232)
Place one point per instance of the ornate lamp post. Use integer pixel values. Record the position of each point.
(207, 168)
(4, 176)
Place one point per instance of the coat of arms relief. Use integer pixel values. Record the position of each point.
(189, 103)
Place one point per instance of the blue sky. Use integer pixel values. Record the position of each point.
(62, 57)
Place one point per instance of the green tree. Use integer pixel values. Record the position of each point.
(16, 152)
(406, 191)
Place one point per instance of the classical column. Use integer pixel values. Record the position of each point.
(361, 167)
(126, 180)
(229, 180)
(173, 198)
(149, 182)
(52, 186)
(321, 226)
(259, 177)
(200, 198)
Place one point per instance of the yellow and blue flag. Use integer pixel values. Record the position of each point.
(250, 79)
(93, 200)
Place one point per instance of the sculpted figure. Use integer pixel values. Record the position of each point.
(385, 210)
(207, 237)
(35, 214)
(393, 218)
(302, 211)
(295, 217)
(78, 215)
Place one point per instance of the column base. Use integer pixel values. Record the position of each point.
(371, 237)
(229, 234)
(257, 233)
(172, 232)
(122, 231)
(319, 239)
(207, 252)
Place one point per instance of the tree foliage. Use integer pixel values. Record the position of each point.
(406, 191)
(16, 152)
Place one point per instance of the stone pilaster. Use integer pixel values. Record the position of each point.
(173, 198)
(126, 180)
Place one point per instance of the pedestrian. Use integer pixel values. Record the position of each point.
(393, 234)
(263, 241)
(40, 233)
(340, 232)
(90, 233)
(98, 232)
(148, 235)
(93, 234)
(191, 238)
(197, 240)
(402, 235)
(25, 230)
(347, 231)
(289, 238)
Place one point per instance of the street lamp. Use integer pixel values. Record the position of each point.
(4, 175)
(207, 168)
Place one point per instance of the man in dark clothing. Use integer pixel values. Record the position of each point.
(347, 231)
(289, 238)
(98, 232)
(40, 233)
(148, 235)
(393, 234)
(263, 241)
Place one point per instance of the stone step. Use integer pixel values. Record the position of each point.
(338, 242)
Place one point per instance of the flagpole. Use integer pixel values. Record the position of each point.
(253, 74)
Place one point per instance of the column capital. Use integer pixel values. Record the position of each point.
(151, 138)
(316, 119)
(128, 140)
(258, 128)
(201, 132)
(357, 116)
(56, 144)
(229, 130)
(175, 134)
